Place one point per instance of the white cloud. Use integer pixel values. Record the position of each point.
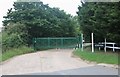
(70, 6)
(4, 6)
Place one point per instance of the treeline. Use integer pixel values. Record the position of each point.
(101, 18)
(28, 20)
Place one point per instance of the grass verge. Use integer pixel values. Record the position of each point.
(98, 57)
(14, 52)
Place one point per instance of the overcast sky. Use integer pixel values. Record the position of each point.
(69, 6)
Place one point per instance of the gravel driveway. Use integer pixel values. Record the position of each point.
(43, 61)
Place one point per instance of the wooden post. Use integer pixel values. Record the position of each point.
(92, 43)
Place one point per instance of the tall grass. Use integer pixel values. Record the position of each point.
(16, 51)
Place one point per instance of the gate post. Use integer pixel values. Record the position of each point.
(78, 40)
(81, 41)
(80, 44)
(34, 44)
(48, 42)
(62, 43)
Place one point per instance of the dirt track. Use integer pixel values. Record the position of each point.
(43, 61)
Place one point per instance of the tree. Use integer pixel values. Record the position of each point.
(100, 18)
(40, 20)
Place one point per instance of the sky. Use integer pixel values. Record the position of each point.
(69, 6)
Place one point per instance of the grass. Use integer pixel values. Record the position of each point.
(98, 57)
(14, 52)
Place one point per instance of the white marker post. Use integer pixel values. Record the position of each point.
(105, 45)
(92, 43)
(82, 42)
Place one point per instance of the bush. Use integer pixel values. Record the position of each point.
(13, 36)
(10, 41)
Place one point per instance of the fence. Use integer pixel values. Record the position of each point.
(57, 42)
(107, 45)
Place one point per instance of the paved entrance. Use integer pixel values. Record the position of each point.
(54, 61)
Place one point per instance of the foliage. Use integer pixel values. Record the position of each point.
(41, 20)
(13, 36)
(98, 57)
(28, 20)
(102, 19)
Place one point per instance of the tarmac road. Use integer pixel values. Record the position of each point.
(92, 70)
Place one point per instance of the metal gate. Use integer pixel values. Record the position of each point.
(57, 42)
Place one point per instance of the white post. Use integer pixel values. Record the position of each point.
(113, 48)
(92, 43)
(82, 42)
(99, 48)
(105, 45)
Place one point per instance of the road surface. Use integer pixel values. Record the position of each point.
(53, 62)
